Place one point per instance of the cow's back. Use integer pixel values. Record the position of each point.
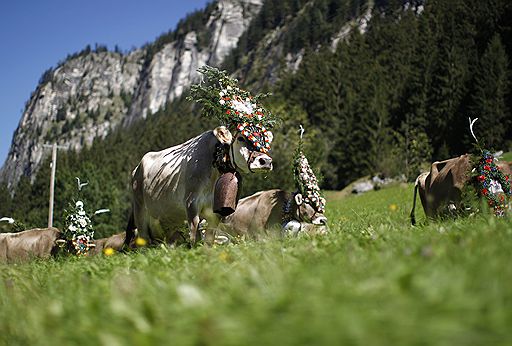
(445, 182)
(256, 213)
(165, 182)
(34, 243)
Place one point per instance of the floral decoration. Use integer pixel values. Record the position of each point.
(306, 181)
(78, 229)
(234, 107)
(493, 184)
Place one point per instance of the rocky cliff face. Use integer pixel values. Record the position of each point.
(174, 68)
(81, 99)
(92, 93)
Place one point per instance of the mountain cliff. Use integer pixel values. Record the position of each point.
(94, 91)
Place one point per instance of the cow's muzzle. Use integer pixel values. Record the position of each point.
(260, 163)
(320, 221)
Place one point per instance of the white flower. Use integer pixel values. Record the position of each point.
(229, 87)
(243, 107)
(79, 204)
(83, 222)
(81, 212)
(222, 102)
(72, 228)
(495, 187)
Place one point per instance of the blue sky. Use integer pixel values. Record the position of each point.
(36, 34)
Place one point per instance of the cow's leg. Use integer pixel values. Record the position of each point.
(413, 218)
(193, 225)
(130, 230)
(193, 220)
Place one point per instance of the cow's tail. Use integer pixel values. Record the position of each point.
(413, 217)
(131, 231)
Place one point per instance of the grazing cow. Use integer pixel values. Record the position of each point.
(115, 242)
(267, 209)
(176, 184)
(33, 243)
(441, 189)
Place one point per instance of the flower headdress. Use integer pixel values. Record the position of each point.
(77, 226)
(493, 184)
(78, 229)
(305, 179)
(234, 107)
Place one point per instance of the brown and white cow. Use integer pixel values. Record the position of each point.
(440, 189)
(176, 184)
(264, 210)
(25, 245)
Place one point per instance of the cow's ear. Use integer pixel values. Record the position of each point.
(223, 135)
(270, 136)
(298, 199)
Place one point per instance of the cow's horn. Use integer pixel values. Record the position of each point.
(60, 242)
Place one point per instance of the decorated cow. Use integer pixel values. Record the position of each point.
(293, 213)
(176, 184)
(441, 189)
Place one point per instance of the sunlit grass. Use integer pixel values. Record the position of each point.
(373, 280)
(507, 156)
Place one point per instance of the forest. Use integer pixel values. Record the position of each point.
(389, 100)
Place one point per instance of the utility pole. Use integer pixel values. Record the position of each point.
(53, 165)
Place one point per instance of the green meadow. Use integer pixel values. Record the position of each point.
(372, 280)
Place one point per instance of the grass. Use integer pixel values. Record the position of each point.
(507, 156)
(373, 280)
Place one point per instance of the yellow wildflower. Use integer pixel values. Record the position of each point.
(223, 256)
(108, 251)
(140, 242)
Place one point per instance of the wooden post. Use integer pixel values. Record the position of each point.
(52, 184)
(52, 180)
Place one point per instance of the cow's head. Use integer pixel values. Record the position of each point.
(307, 213)
(244, 155)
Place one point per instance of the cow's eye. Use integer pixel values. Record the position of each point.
(241, 139)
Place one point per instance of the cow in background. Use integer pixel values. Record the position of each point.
(176, 184)
(255, 215)
(33, 243)
(440, 189)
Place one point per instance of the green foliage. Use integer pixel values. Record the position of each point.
(411, 154)
(5, 200)
(491, 86)
(216, 95)
(372, 280)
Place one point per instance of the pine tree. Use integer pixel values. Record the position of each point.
(5, 201)
(491, 86)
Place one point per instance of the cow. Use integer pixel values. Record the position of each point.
(115, 242)
(264, 210)
(440, 189)
(33, 243)
(176, 184)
